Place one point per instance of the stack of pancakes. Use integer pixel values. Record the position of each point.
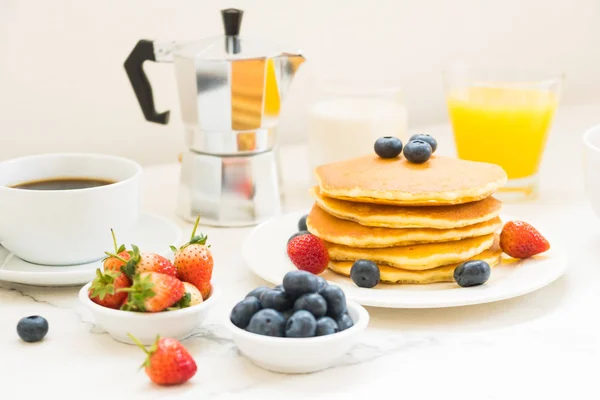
(417, 222)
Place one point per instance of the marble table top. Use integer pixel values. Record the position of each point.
(542, 345)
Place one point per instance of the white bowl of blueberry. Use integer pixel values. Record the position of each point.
(304, 325)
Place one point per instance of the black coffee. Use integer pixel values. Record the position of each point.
(63, 184)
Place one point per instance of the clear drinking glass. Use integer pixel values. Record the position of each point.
(502, 116)
(348, 116)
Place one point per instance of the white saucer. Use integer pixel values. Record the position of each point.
(265, 253)
(153, 234)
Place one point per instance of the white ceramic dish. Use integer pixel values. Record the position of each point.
(591, 143)
(70, 225)
(152, 234)
(177, 324)
(300, 355)
(264, 251)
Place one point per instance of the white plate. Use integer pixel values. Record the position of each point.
(265, 253)
(153, 234)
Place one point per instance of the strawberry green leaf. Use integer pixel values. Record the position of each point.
(173, 249)
(184, 302)
(103, 284)
(130, 266)
(148, 352)
(199, 239)
(195, 239)
(138, 293)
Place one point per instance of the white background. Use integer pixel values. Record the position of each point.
(63, 87)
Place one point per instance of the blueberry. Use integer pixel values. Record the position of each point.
(326, 326)
(322, 284)
(276, 299)
(298, 234)
(32, 329)
(365, 273)
(300, 282)
(257, 292)
(336, 301)
(243, 311)
(426, 138)
(388, 147)
(344, 322)
(267, 322)
(312, 302)
(302, 223)
(301, 324)
(288, 313)
(472, 273)
(417, 151)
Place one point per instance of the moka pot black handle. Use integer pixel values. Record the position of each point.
(134, 66)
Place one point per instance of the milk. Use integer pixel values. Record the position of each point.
(347, 127)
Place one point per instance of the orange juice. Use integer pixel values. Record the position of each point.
(507, 126)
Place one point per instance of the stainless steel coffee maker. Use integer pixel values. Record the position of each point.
(230, 93)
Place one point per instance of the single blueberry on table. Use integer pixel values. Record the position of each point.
(301, 324)
(33, 328)
(257, 292)
(267, 322)
(344, 322)
(388, 147)
(336, 301)
(300, 282)
(472, 273)
(365, 273)
(276, 299)
(313, 303)
(417, 151)
(302, 223)
(298, 234)
(326, 326)
(426, 138)
(243, 311)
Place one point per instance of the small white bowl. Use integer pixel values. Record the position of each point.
(591, 142)
(300, 355)
(177, 324)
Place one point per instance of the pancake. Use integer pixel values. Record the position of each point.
(348, 233)
(381, 215)
(439, 181)
(444, 273)
(415, 257)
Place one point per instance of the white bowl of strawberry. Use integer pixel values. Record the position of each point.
(146, 295)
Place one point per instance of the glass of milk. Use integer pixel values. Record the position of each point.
(347, 118)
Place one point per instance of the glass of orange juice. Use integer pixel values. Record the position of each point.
(502, 116)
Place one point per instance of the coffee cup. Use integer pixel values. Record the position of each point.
(59, 209)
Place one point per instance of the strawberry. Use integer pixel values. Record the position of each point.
(191, 297)
(104, 288)
(152, 292)
(145, 262)
(168, 362)
(115, 263)
(194, 262)
(518, 239)
(195, 295)
(308, 253)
